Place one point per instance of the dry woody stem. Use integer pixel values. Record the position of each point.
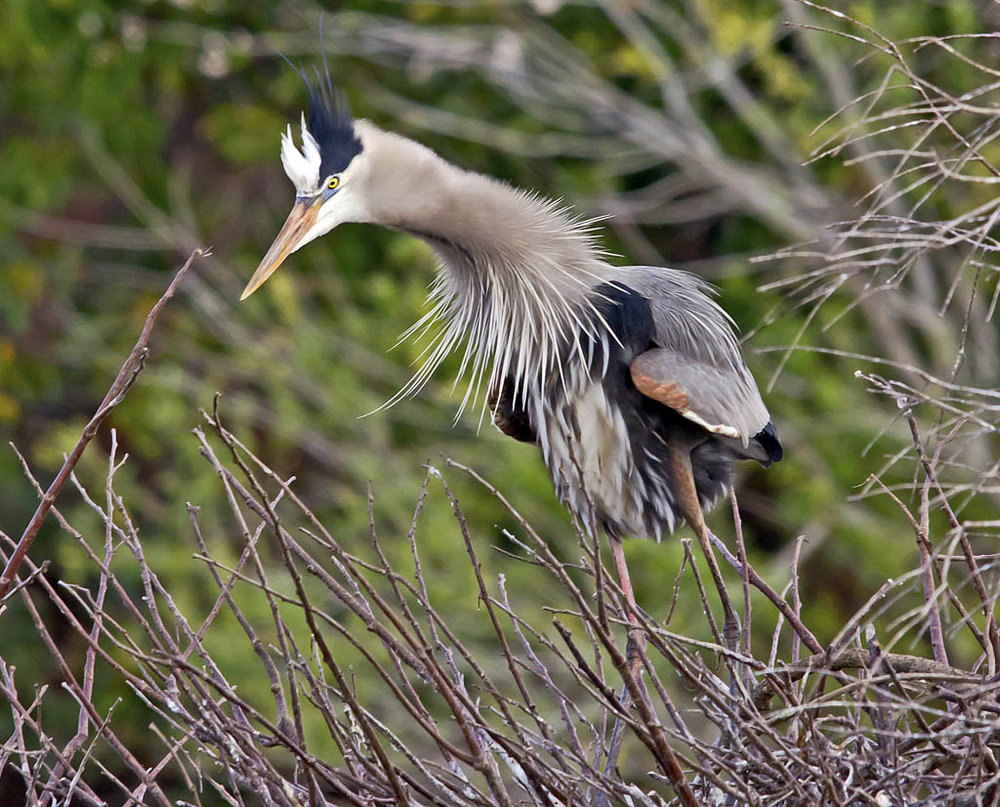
(126, 377)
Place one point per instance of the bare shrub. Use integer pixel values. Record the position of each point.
(413, 716)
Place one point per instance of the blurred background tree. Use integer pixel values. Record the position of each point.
(132, 133)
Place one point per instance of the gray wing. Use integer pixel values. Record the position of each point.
(717, 399)
(697, 368)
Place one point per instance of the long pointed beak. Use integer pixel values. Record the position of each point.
(295, 227)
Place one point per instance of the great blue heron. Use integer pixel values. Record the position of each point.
(628, 378)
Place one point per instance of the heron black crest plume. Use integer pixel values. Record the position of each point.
(330, 121)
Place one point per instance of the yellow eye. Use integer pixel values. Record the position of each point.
(333, 183)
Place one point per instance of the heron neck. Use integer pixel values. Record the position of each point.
(516, 273)
(480, 227)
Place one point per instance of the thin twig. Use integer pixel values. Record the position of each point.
(127, 375)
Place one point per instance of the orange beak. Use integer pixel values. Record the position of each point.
(295, 227)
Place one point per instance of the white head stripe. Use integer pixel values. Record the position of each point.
(302, 166)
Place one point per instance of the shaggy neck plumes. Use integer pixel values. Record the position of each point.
(516, 270)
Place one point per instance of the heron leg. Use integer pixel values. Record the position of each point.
(636, 637)
(634, 649)
(687, 496)
(636, 644)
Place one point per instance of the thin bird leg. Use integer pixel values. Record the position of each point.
(687, 495)
(634, 649)
(636, 637)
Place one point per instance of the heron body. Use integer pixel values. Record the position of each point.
(607, 369)
(606, 434)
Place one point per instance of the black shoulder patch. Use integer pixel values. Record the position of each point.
(330, 122)
(627, 315)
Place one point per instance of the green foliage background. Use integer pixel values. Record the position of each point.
(132, 133)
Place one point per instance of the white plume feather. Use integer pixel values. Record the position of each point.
(302, 167)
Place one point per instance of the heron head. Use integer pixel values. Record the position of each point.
(322, 170)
